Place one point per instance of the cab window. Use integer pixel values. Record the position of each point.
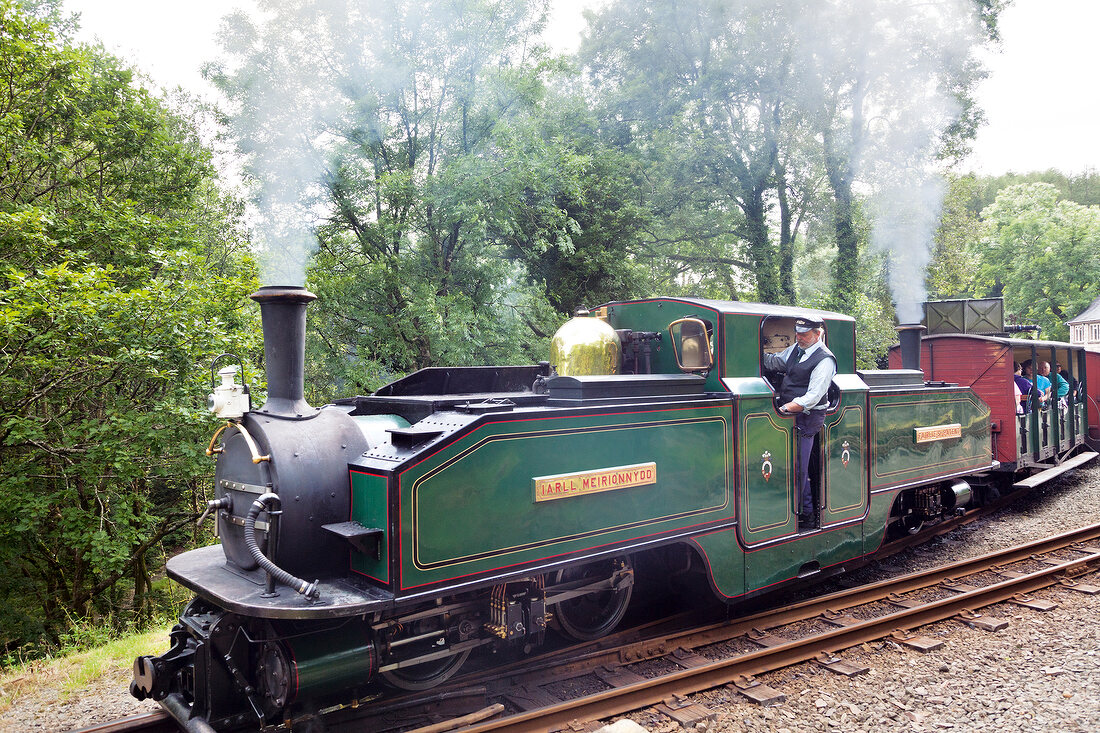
(691, 344)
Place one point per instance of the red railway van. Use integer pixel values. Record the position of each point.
(1092, 396)
(985, 363)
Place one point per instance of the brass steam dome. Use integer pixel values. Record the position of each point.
(585, 346)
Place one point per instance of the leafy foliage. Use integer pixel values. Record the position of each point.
(701, 88)
(437, 183)
(121, 279)
(1043, 254)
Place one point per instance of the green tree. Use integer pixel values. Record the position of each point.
(702, 86)
(612, 241)
(1043, 254)
(1082, 189)
(412, 129)
(121, 279)
(888, 86)
(747, 112)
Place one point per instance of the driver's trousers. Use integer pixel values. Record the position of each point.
(808, 425)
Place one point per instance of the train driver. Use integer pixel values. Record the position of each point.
(808, 368)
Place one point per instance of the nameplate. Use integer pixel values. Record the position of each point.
(938, 432)
(563, 485)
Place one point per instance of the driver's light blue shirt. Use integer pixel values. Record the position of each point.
(820, 378)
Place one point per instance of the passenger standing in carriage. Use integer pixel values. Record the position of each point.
(1023, 387)
(1045, 383)
(1061, 388)
(1074, 385)
(1042, 386)
(808, 368)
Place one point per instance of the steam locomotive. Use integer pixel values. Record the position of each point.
(385, 538)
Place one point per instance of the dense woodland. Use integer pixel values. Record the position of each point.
(451, 189)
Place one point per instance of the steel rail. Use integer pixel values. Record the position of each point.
(962, 568)
(155, 721)
(659, 645)
(649, 692)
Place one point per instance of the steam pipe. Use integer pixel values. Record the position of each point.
(909, 334)
(283, 312)
(309, 590)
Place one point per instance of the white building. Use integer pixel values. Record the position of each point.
(1085, 328)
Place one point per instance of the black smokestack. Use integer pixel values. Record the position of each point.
(909, 334)
(283, 310)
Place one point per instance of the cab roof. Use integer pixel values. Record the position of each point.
(739, 307)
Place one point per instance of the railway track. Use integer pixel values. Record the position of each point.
(662, 662)
(731, 653)
(157, 721)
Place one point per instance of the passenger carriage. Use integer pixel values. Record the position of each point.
(1092, 396)
(984, 362)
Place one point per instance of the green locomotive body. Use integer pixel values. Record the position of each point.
(527, 485)
(469, 502)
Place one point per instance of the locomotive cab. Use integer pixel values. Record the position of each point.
(776, 335)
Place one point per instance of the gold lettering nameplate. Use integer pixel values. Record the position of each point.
(564, 485)
(938, 432)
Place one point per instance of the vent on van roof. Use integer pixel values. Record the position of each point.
(976, 315)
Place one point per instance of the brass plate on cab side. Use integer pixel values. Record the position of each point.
(564, 485)
(937, 432)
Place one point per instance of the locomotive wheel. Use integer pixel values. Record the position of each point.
(427, 675)
(596, 614)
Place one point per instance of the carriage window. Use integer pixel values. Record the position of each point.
(691, 344)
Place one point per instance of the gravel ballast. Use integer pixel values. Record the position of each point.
(1040, 673)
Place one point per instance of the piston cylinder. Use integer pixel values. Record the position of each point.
(316, 665)
(958, 495)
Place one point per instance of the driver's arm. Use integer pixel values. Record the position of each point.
(777, 362)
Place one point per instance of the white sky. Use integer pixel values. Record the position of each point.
(1042, 106)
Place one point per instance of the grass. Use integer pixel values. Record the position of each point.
(73, 672)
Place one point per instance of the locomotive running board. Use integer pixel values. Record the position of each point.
(1043, 476)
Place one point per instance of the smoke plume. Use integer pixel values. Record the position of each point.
(883, 70)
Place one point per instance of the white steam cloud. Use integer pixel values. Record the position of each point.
(286, 105)
(886, 66)
(308, 75)
(906, 213)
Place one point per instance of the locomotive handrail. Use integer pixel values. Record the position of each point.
(248, 439)
(252, 447)
(210, 449)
